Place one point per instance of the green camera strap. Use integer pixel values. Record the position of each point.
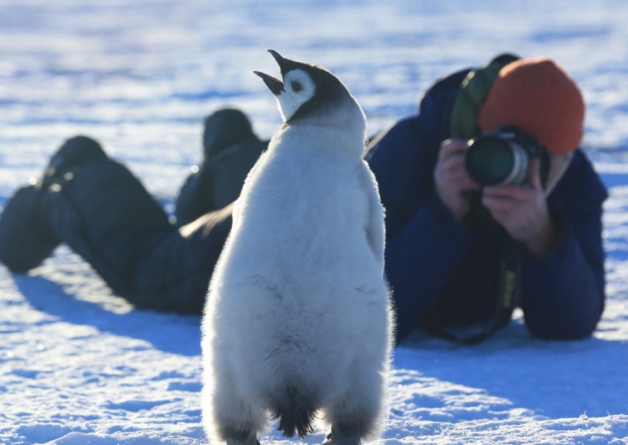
(463, 124)
(507, 301)
(473, 92)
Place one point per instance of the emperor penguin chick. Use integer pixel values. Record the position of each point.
(298, 321)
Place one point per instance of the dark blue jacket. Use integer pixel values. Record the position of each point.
(429, 255)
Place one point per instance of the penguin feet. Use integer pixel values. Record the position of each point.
(241, 438)
(233, 441)
(336, 438)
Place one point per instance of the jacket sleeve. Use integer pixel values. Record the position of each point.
(563, 293)
(424, 244)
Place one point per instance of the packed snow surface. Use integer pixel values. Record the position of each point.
(79, 365)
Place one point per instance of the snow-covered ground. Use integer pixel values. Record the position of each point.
(80, 366)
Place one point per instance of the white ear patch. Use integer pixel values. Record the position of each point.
(298, 89)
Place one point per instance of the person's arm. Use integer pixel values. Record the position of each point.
(424, 242)
(421, 258)
(563, 292)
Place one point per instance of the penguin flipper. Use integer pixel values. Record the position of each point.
(375, 231)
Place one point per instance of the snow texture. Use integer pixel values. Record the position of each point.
(79, 365)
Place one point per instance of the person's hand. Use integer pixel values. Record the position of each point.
(452, 180)
(523, 212)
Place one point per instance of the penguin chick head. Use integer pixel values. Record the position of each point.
(312, 93)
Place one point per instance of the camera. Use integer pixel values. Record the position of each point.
(502, 157)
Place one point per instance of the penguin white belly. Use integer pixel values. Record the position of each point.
(304, 293)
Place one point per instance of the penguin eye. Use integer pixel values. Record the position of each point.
(296, 86)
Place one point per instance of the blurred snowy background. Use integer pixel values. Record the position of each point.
(80, 366)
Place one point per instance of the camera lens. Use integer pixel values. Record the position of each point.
(492, 160)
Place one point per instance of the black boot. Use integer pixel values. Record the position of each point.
(26, 237)
(74, 152)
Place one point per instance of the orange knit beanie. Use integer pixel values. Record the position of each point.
(538, 97)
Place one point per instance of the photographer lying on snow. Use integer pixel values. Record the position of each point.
(490, 205)
(463, 249)
(101, 210)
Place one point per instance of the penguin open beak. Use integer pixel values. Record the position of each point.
(280, 60)
(274, 84)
